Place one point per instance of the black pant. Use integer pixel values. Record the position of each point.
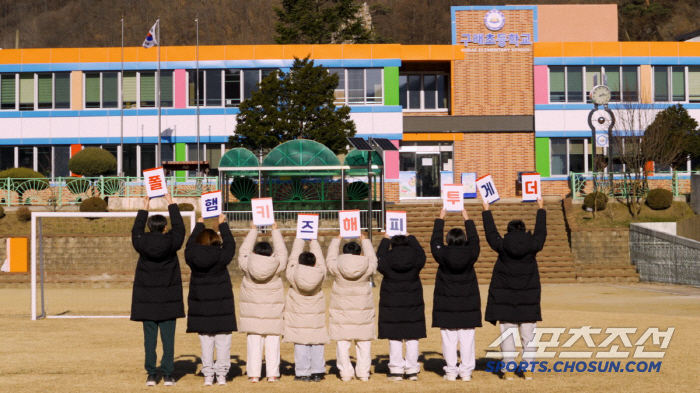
(150, 342)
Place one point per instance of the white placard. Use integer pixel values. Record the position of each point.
(396, 223)
(601, 140)
(426, 161)
(532, 187)
(349, 223)
(210, 204)
(155, 182)
(487, 189)
(453, 197)
(263, 214)
(307, 226)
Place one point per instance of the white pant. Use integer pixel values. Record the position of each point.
(363, 351)
(508, 350)
(309, 359)
(399, 365)
(222, 342)
(465, 339)
(271, 344)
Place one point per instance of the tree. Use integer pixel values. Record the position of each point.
(294, 105)
(672, 137)
(92, 161)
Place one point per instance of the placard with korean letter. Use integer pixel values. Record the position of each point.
(155, 182)
(469, 184)
(395, 223)
(307, 226)
(487, 189)
(263, 214)
(532, 187)
(210, 204)
(349, 223)
(453, 197)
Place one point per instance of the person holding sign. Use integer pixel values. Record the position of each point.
(352, 305)
(262, 301)
(456, 300)
(401, 305)
(210, 310)
(514, 292)
(305, 311)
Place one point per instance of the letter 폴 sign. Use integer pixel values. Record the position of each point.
(307, 226)
(155, 182)
(210, 204)
(263, 214)
(532, 187)
(349, 223)
(487, 189)
(453, 197)
(396, 223)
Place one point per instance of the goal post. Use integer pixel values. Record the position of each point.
(33, 238)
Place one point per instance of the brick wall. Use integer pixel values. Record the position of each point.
(391, 192)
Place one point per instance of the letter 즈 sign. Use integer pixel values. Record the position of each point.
(155, 182)
(307, 226)
(263, 214)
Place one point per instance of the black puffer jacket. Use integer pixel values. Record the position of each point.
(157, 293)
(210, 307)
(514, 292)
(456, 300)
(401, 305)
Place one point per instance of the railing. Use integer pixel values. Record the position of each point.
(661, 256)
(614, 184)
(287, 220)
(73, 190)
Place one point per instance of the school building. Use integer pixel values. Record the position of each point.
(509, 95)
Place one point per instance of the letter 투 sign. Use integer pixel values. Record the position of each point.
(453, 197)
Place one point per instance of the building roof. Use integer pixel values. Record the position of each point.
(688, 36)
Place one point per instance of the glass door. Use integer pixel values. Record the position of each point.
(428, 175)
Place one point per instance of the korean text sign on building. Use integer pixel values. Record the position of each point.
(487, 189)
(210, 204)
(307, 226)
(349, 223)
(396, 223)
(263, 214)
(155, 182)
(532, 187)
(453, 197)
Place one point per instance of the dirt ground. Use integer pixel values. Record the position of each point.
(106, 355)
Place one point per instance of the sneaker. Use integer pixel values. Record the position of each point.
(466, 377)
(221, 380)
(253, 379)
(364, 379)
(346, 379)
(152, 380)
(318, 377)
(527, 375)
(305, 378)
(168, 380)
(273, 379)
(394, 377)
(412, 377)
(208, 381)
(450, 377)
(508, 375)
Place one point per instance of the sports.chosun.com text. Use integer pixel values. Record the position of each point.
(591, 366)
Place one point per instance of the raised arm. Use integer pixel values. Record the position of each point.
(437, 246)
(229, 243)
(492, 236)
(382, 254)
(139, 228)
(368, 250)
(293, 260)
(472, 239)
(280, 249)
(178, 231)
(332, 256)
(247, 249)
(198, 228)
(540, 233)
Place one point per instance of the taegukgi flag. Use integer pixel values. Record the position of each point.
(150, 40)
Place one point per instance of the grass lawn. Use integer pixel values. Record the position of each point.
(617, 215)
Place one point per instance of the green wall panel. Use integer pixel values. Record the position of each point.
(391, 85)
(180, 155)
(542, 156)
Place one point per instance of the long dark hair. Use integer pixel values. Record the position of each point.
(208, 238)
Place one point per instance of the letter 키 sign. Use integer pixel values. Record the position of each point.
(453, 197)
(487, 189)
(395, 223)
(155, 182)
(307, 226)
(210, 204)
(263, 214)
(349, 223)
(532, 187)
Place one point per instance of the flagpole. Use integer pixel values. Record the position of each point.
(121, 105)
(197, 61)
(159, 43)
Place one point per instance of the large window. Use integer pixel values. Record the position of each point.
(573, 83)
(423, 92)
(228, 88)
(138, 89)
(677, 84)
(359, 86)
(569, 156)
(33, 91)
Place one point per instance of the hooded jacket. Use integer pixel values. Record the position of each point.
(401, 305)
(262, 291)
(157, 292)
(456, 299)
(514, 292)
(210, 307)
(352, 303)
(305, 310)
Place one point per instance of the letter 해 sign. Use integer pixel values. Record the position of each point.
(263, 214)
(349, 223)
(154, 180)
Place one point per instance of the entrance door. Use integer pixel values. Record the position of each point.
(428, 175)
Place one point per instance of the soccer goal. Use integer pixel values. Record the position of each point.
(86, 274)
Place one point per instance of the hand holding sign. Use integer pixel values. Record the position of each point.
(487, 189)
(307, 226)
(263, 214)
(532, 187)
(155, 182)
(349, 223)
(453, 197)
(210, 204)
(396, 223)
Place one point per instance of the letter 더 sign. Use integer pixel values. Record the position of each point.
(349, 223)
(263, 214)
(307, 226)
(210, 204)
(532, 187)
(453, 197)
(155, 182)
(395, 223)
(487, 189)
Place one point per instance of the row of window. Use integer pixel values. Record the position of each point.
(423, 91)
(30, 91)
(572, 83)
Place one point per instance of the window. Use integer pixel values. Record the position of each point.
(573, 83)
(44, 159)
(138, 89)
(426, 92)
(224, 87)
(101, 90)
(569, 156)
(232, 87)
(213, 156)
(7, 157)
(669, 83)
(359, 86)
(7, 91)
(25, 156)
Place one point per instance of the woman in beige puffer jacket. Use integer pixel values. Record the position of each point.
(352, 306)
(262, 303)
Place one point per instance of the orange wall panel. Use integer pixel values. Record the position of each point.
(18, 254)
(442, 52)
(328, 51)
(33, 56)
(300, 51)
(634, 49)
(65, 55)
(548, 49)
(415, 52)
(386, 51)
(605, 49)
(663, 49)
(239, 52)
(150, 54)
(10, 56)
(211, 52)
(577, 49)
(179, 53)
(94, 55)
(357, 51)
(689, 48)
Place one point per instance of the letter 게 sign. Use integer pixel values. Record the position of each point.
(487, 189)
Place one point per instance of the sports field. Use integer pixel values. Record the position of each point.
(106, 355)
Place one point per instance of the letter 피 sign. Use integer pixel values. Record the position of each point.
(453, 197)
(487, 189)
(210, 204)
(395, 223)
(349, 223)
(155, 182)
(532, 187)
(307, 226)
(263, 214)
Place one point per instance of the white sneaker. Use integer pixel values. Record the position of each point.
(450, 377)
(363, 379)
(466, 377)
(208, 381)
(221, 380)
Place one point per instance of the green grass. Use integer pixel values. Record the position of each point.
(618, 215)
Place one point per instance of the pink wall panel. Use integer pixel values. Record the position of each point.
(391, 166)
(541, 84)
(180, 77)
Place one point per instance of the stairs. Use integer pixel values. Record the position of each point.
(555, 261)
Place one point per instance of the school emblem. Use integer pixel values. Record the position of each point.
(494, 20)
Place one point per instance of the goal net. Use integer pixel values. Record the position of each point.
(83, 264)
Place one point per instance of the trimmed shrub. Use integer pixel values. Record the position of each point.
(92, 161)
(41, 182)
(23, 214)
(2, 212)
(93, 205)
(659, 199)
(185, 207)
(595, 201)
